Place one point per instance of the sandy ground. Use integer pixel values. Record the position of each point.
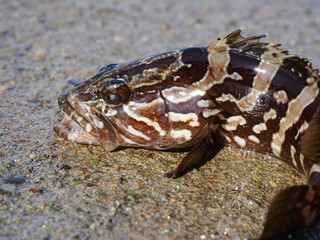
(52, 189)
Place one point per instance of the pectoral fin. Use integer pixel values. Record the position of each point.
(199, 154)
(310, 144)
(293, 208)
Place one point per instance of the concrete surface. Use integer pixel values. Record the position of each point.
(52, 189)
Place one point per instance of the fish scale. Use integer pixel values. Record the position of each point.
(236, 91)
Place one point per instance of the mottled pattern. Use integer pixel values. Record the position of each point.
(237, 91)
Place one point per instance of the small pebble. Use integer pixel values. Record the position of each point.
(3, 88)
(41, 53)
(15, 179)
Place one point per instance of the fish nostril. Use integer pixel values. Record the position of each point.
(62, 99)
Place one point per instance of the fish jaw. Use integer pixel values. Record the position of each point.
(82, 124)
(69, 129)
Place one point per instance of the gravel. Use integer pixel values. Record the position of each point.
(53, 189)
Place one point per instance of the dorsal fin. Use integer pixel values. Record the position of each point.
(250, 45)
(269, 52)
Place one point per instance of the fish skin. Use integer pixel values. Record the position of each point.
(236, 91)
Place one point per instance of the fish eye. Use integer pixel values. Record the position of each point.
(114, 98)
(116, 92)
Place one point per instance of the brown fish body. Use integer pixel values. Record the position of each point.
(237, 91)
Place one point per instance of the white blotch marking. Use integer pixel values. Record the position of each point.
(280, 97)
(260, 85)
(271, 114)
(100, 124)
(111, 112)
(137, 133)
(295, 109)
(184, 133)
(163, 133)
(233, 123)
(302, 162)
(181, 94)
(210, 113)
(226, 97)
(204, 103)
(315, 168)
(192, 118)
(175, 78)
(276, 149)
(203, 79)
(240, 141)
(235, 76)
(102, 106)
(127, 140)
(88, 127)
(71, 138)
(79, 119)
(153, 104)
(293, 152)
(302, 129)
(259, 127)
(146, 120)
(219, 59)
(71, 114)
(138, 84)
(227, 138)
(156, 74)
(254, 139)
(310, 80)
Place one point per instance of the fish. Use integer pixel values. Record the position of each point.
(237, 91)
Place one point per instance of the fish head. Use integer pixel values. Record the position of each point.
(136, 105)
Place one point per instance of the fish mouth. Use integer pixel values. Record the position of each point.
(83, 124)
(69, 129)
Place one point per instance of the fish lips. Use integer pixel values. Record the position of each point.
(83, 124)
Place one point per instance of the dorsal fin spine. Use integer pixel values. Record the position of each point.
(270, 52)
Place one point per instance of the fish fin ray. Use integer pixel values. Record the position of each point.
(310, 144)
(269, 52)
(293, 208)
(199, 154)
